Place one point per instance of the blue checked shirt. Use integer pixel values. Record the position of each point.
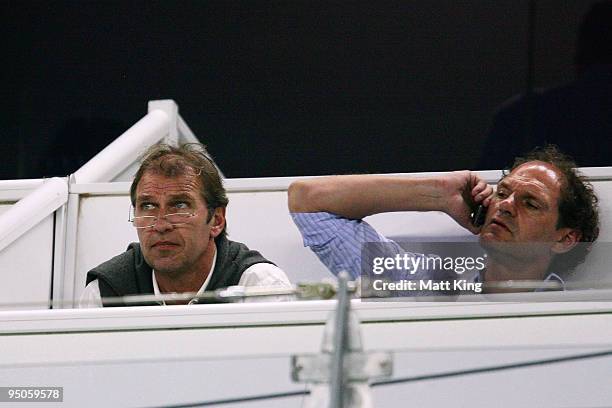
(338, 242)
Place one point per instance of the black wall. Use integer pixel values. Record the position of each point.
(274, 88)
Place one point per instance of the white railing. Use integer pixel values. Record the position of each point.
(31, 209)
(162, 122)
(14, 190)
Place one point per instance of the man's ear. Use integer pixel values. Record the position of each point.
(217, 222)
(567, 238)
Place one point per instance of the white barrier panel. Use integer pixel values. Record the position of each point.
(27, 231)
(598, 266)
(31, 209)
(103, 232)
(137, 358)
(26, 268)
(261, 220)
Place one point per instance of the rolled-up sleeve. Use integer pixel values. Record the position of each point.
(337, 241)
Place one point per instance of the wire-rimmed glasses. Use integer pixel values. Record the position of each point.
(149, 221)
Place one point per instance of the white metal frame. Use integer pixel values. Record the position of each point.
(289, 313)
(266, 184)
(124, 150)
(32, 209)
(14, 190)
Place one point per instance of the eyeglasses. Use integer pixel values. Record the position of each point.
(149, 221)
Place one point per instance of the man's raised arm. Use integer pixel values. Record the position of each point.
(358, 196)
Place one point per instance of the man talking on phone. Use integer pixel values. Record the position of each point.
(539, 213)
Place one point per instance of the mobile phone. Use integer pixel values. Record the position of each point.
(478, 216)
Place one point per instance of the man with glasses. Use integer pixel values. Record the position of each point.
(178, 211)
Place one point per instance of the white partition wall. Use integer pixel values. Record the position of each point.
(27, 268)
(261, 220)
(29, 220)
(103, 232)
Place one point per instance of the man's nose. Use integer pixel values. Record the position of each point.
(506, 206)
(162, 225)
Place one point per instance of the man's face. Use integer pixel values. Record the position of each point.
(174, 249)
(524, 211)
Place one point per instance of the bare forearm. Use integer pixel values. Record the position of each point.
(362, 195)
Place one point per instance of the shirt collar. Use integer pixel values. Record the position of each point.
(157, 292)
(552, 277)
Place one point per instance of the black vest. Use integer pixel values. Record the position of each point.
(129, 274)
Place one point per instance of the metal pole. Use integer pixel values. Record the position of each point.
(336, 397)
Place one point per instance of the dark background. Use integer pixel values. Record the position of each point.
(274, 88)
